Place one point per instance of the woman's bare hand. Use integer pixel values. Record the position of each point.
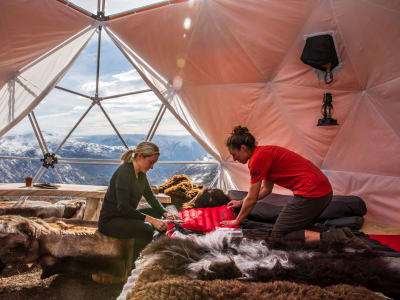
(234, 203)
(230, 222)
(158, 224)
(171, 216)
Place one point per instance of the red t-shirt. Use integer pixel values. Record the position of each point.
(289, 170)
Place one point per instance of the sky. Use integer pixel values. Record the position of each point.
(59, 111)
(114, 6)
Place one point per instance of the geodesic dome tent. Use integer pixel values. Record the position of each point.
(219, 63)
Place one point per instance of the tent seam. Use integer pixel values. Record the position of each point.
(371, 100)
(345, 46)
(145, 11)
(340, 131)
(384, 83)
(380, 6)
(315, 88)
(26, 87)
(285, 58)
(245, 52)
(189, 45)
(13, 58)
(266, 86)
(277, 98)
(364, 173)
(273, 82)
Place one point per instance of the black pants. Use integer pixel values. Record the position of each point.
(127, 228)
(298, 214)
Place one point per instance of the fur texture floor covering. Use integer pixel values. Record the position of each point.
(62, 246)
(218, 256)
(182, 288)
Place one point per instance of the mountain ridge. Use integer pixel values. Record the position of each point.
(172, 148)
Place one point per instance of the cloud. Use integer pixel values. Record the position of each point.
(114, 6)
(91, 85)
(128, 76)
(145, 99)
(79, 108)
(124, 82)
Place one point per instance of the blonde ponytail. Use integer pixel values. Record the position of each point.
(146, 148)
(127, 156)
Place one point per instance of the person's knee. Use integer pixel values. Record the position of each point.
(109, 230)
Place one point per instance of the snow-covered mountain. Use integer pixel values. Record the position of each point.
(173, 148)
(200, 173)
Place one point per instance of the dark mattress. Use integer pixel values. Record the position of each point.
(342, 211)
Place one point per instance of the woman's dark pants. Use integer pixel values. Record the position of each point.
(127, 228)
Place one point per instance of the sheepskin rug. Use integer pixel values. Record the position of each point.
(182, 288)
(219, 265)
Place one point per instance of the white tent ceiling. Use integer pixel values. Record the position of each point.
(40, 41)
(225, 63)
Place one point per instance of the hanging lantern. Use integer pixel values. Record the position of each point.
(327, 112)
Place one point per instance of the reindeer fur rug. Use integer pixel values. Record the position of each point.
(195, 264)
(176, 288)
(61, 245)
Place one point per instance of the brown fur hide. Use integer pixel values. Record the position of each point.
(208, 198)
(62, 246)
(170, 287)
(43, 209)
(180, 189)
(184, 194)
(219, 256)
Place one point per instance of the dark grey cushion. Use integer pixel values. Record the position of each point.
(354, 222)
(268, 208)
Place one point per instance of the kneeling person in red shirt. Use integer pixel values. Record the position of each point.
(271, 165)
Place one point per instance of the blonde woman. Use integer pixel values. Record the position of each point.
(119, 216)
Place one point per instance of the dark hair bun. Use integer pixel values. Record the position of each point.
(240, 136)
(239, 130)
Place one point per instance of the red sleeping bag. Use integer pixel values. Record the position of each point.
(393, 241)
(205, 219)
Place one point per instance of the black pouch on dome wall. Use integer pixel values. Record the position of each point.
(320, 53)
